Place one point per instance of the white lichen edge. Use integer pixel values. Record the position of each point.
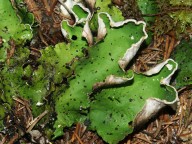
(66, 9)
(153, 105)
(67, 6)
(87, 33)
(131, 52)
(112, 80)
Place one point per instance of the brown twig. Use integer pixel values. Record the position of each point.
(143, 139)
(11, 51)
(35, 121)
(32, 7)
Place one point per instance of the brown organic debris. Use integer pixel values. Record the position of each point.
(129, 8)
(19, 121)
(48, 16)
(158, 51)
(80, 135)
(11, 50)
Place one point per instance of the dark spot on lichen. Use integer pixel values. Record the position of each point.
(110, 99)
(130, 100)
(130, 123)
(74, 37)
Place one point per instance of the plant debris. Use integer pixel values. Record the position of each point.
(19, 121)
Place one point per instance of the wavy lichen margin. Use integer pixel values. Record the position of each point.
(153, 105)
